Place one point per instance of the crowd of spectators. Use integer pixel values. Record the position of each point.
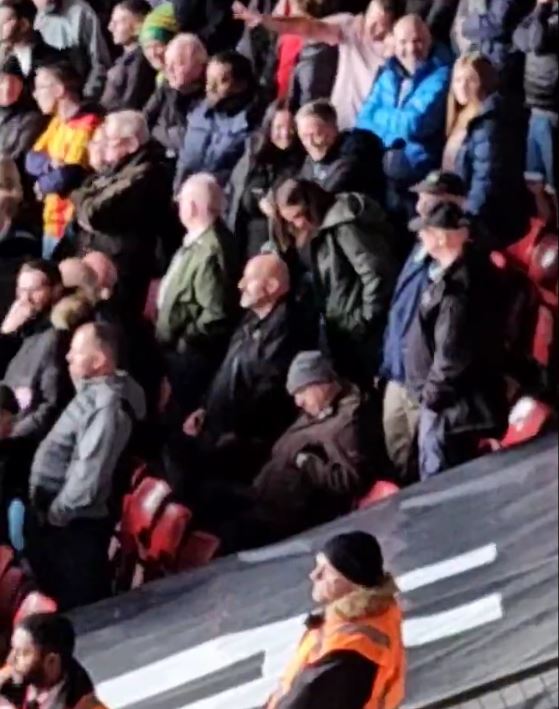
(252, 246)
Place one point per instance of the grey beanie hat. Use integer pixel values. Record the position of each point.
(309, 368)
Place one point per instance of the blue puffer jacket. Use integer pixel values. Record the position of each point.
(412, 281)
(491, 163)
(215, 138)
(417, 118)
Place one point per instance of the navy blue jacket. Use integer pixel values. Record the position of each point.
(412, 281)
(215, 138)
(491, 163)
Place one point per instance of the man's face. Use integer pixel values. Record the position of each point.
(10, 26)
(34, 289)
(411, 46)
(96, 150)
(26, 659)
(378, 22)
(313, 399)
(47, 91)
(123, 27)
(220, 83)
(82, 358)
(317, 136)
(154, 52)
(328, 585)
(298, 223)
(10, 90)
(116, 146)
(253, 287)
(182, 68)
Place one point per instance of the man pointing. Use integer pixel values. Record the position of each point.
(352, 655)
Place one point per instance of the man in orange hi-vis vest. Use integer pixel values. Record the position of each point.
(352, 655)
(41, 671)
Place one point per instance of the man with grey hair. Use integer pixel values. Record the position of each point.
(122, 211)
(198, 299)
(168, 109)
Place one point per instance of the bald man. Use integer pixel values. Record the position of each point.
(247, 400)
(198, 299)
(72, 474)
(406, 109)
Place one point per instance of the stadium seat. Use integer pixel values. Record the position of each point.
(150, 308)
(380, 491)
(142, 507)
(545, 336)
(543, 269)
(35, 602)
(14, 586)
(528, 419)
(167, 535)
(198, 549)
(520, 253)
(6, 558)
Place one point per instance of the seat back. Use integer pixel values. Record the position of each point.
(198, 549)
(14, 586)
(520, 253)
(167, 535)
(380, 491)
(544, 263)
(528, 419)
(142, 507)
(545, 336)
(34, 602)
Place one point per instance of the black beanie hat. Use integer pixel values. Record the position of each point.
(12, 67)
(358, 557)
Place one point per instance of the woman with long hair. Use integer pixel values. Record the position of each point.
(273, 154)
(485, 146)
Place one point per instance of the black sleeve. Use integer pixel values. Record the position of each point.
(341, 680)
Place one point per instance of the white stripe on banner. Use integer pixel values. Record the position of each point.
(449, 567)
(277, 641)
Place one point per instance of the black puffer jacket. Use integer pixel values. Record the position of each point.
(538, 36)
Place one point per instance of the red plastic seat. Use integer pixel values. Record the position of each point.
(520, 253)
(528, 418)
(544, 265)
(35, 602)
(14, 586)
(150, 307)
(142, 507)
(545, 336)
(168, 534)
(380, 491)
(6, 558)
(199, 548)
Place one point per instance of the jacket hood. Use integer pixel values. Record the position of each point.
(121, 384)
(365, 601)
(350, 207)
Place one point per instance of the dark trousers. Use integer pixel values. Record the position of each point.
(440, 449)
(71, 563)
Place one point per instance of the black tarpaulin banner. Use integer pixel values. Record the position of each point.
(475, 555)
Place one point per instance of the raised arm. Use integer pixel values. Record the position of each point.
(305, 27)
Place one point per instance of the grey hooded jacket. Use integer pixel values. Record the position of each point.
(72, 473)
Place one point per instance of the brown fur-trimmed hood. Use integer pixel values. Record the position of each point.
(365, 601)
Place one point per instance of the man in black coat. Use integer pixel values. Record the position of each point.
(454, 349)
(247, 406)
(123, 211)
(348, 161)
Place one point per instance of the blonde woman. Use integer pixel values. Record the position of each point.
(485, 146)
